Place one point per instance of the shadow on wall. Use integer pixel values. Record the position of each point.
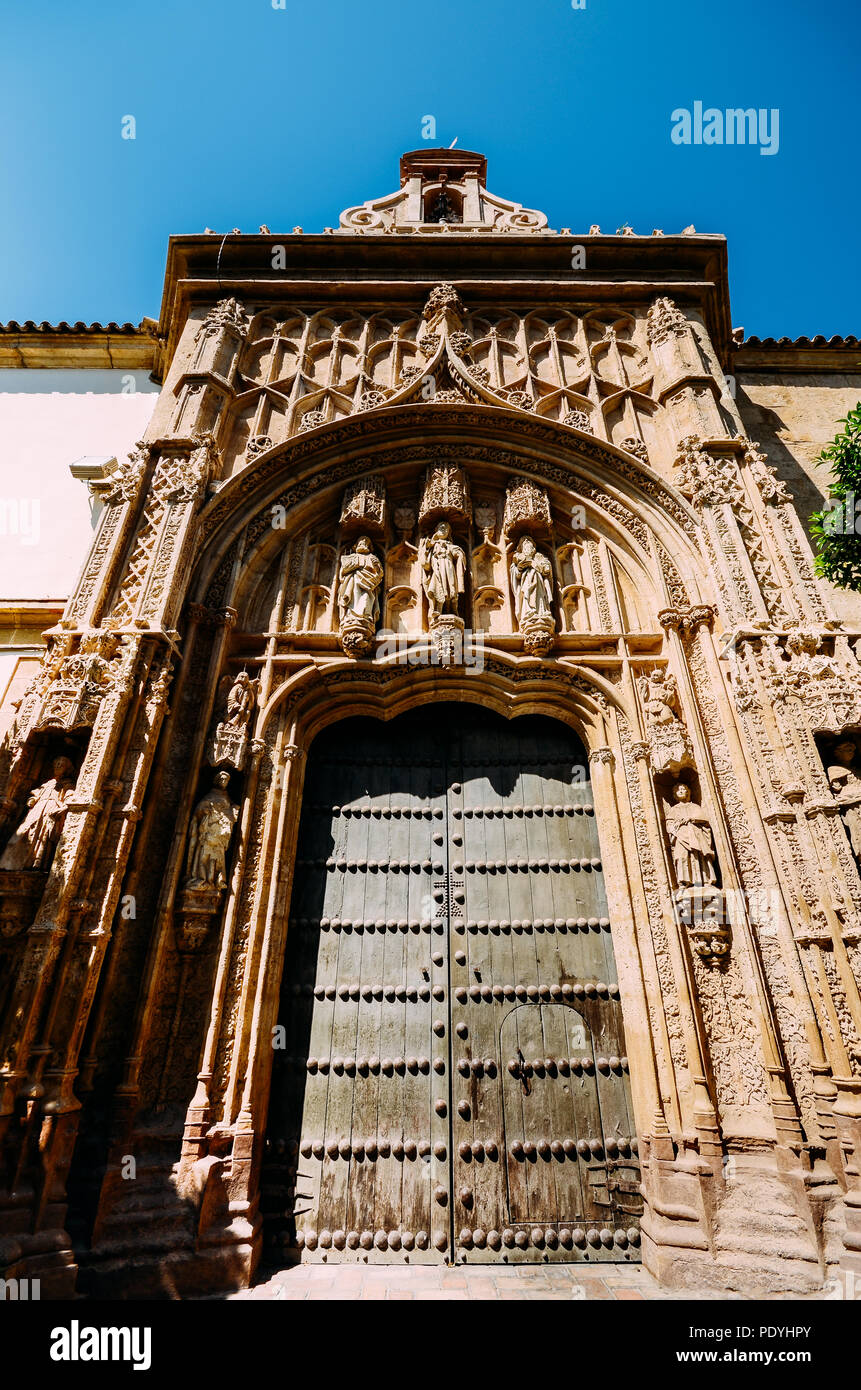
(794, 465)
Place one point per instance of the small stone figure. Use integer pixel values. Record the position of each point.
(845, 784)
(443, 570)
(209, 835)
(669, 745)
(241, 699)
(691, 841)
(231, 733)
(531, 578)
(32, 845)
(360, 575)
(532, 582)
(660, 697)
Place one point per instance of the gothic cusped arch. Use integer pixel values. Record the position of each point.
(318, 696)
(646, 517)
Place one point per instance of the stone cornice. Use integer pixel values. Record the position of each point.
(402, 269)
(803, 355)
(29, 615)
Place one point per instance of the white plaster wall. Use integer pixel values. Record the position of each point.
(50, 418)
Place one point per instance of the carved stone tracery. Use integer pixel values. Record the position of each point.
(445, 494)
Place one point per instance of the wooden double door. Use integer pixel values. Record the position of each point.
(452, 1082)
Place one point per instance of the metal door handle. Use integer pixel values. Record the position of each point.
(522, 1074)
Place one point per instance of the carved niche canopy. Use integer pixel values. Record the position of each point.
(364, 506)
(828, 685)
(71, 699)
(445, 494)
(527, 508)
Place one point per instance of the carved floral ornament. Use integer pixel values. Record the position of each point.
(76, 675)
(799, 666)
(227, 314)
(665, 320)
(687, 622)
(712, 480)
(123, 485)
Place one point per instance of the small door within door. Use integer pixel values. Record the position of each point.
(454, 1082)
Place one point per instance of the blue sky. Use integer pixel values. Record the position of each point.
(247, 114)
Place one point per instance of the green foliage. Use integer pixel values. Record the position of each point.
(835, 531)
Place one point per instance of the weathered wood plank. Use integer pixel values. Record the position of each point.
(433, 801)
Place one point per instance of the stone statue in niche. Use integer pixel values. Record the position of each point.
(700, 903)
(209, 835)
(360, 576)
(669, 745)
(443, 565)
(531, 577)
(691, 841)
(32, 845)
(231, 733)
(845, 783)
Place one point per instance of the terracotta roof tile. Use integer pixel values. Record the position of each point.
(802, 342)
(145, 328)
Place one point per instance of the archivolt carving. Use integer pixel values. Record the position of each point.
(656, 903)
(848, 1027)
(272, 465)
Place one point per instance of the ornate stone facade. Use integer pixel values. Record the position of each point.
(337, 506)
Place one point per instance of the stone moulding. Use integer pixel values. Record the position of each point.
(195, 914)
(286, 459)
(703, 913)
(20, 894)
